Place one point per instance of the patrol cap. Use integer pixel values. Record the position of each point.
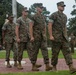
(40, 5)
(25, 9)
(61, 4)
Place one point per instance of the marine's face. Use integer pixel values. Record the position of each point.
(40, 9)
(25, 13)
(61, 8)
(10, 18)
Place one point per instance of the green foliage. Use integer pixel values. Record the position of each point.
(72, 25)
(19, 9)
(72, 21)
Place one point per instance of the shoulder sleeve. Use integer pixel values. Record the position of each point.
(4, 27)
(52, 18)
(18, 22)
(30, 20)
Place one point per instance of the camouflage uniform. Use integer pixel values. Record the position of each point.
(72, 43)
(60, 38)
(10, 40)
(40, 38)
(23, 35)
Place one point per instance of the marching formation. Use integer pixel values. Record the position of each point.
(30, 34)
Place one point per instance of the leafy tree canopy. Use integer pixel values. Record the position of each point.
(72, 21)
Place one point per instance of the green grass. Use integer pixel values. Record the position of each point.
(42, 73)
(25, 55)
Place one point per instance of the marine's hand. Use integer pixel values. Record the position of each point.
(51, 38)
(32, 39)
(18, 40)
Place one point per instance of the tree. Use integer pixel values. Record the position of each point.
(72, 21)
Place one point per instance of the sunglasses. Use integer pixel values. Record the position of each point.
(62, 6)
(26, 11)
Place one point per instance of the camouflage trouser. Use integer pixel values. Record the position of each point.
(10, 46)
(64, 47)
(21, 47)
(33, 51)
(72, 47)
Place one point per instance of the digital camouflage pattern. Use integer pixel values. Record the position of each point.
(23, 28)
(64, 47)
(59, 26)
(10, 39)
(39, 26)
(40, 40)
(10, 32)
(23, 24)
(59, 33)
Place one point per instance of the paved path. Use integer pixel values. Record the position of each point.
(27, 67)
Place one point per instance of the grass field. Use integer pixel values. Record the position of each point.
(25, 55)
(42, 73)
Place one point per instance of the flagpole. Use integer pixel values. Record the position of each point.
(14, 10)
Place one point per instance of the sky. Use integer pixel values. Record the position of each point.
(50, 5)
